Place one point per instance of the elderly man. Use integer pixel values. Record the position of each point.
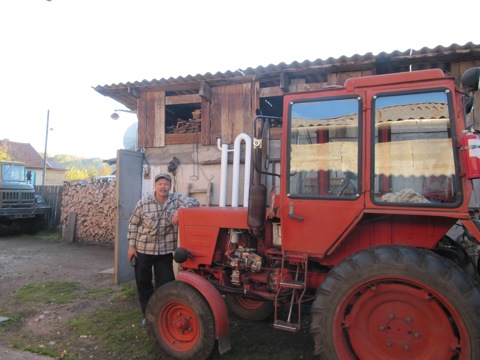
(152, 236)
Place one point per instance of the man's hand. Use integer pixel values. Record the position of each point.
(131, 252)
(175, 218)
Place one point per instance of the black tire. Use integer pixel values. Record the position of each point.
(33, 225)
(396, 302)
(180, 322)
(249, 308)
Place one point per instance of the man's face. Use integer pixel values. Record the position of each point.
(162, 187)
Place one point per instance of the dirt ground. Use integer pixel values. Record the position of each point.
(26, 260)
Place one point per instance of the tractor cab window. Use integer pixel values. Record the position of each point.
(413, 149)
(324, 143)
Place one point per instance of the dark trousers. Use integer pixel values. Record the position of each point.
(162, 269)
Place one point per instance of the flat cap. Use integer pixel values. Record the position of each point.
(163, 176)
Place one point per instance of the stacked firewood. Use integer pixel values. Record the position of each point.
(192, 125)
(93, 203)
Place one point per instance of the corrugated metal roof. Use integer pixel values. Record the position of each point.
(126, 93)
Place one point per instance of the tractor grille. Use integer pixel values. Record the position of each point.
(14, 199)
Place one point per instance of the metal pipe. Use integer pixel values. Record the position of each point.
(45, 152)
(236, 168)
(223, 172)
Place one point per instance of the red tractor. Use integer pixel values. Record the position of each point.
(368, 182)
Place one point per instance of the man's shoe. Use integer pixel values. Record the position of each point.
(143, 323)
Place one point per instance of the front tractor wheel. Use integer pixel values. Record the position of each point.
(396, 302)
(180, 322)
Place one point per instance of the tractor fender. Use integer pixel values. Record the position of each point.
(216, 303)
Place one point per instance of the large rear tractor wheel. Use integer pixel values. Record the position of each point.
(249, 308)
(180, 322)
(396, 302)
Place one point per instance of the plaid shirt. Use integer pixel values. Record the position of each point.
(150, 229)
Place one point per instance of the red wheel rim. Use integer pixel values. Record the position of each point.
(398, 320)
(178, 326)
(248, 303)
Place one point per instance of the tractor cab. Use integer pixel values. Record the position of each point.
(377, 147)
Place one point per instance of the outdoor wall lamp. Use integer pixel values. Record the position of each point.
(115, 115)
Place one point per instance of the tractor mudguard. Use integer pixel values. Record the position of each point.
(216, 303)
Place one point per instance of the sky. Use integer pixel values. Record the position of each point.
(52, 53)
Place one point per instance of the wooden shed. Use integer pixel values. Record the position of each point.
(181, 119)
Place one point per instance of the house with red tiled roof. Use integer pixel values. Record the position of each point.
(24, 152)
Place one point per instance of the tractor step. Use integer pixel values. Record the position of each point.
(292, 284)
(295, 261)
(284, 325)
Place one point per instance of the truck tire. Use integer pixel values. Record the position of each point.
(180, 322)
(396, 302)
(248, 308)
(32, 226)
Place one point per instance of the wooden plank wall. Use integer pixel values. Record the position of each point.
(457, 69)
(231, 111)
(208, 138)
(53, 197)
(151, 119)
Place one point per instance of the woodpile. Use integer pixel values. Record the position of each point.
(193, 125)
(93, 204)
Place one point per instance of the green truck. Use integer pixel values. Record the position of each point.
(19, 205)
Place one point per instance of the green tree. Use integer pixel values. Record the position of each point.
(105, 170)
(76, 174)
(92, 171)
(4, 152)
(81, 168)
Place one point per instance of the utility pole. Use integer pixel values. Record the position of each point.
(45, 152)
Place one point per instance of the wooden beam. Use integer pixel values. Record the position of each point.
(255, 101)
(295, 84)
(205, 91)
(284, 81)
(175, 139)
(246, 110)
(182, 99)
(159, 127)
(271, 91)
(142, 122)
(311, 87)
(207, 139)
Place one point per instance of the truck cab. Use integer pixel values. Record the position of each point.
(19, 204)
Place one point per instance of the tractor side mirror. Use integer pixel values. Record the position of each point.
(471, 79)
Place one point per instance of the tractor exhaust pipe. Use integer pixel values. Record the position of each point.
(236, 169)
